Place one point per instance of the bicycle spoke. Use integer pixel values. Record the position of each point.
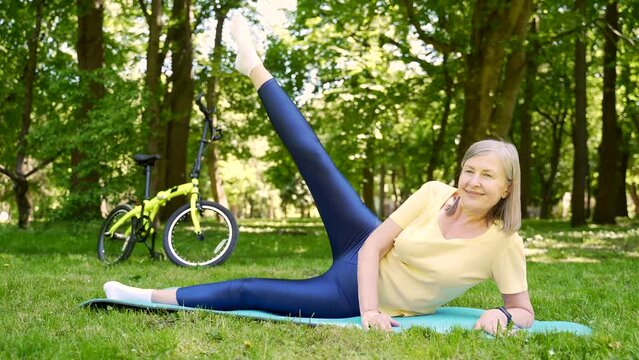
(114, 247)
(215, 243)
(220, 245)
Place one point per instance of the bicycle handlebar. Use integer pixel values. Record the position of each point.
(203, 109)
(216, 132)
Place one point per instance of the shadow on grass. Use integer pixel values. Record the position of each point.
(550, 241)
(547, 241)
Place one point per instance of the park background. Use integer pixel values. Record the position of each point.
(396, 92)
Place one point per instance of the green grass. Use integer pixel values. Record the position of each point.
(588, 275)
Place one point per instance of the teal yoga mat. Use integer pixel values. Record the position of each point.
(442, 321)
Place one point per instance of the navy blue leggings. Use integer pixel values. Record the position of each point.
(347, 220)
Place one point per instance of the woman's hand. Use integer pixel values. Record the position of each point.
(492, 321)
(373, 319)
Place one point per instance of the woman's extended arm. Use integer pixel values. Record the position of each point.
(374, 249)
(518, 305)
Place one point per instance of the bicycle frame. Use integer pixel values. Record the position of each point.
(150, 207)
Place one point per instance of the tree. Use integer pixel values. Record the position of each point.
(628, 122)
(631, 114)
(438, 143)
(180, 100)
(153, 86)
(492, 76)
(373, 99)
(579, 128)
(609, 154)
(488, 41)
(550, 164)
(221, 10)
(525, 123)
(90, 50)
(20, 176)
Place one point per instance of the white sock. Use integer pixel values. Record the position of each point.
(247, 58)
(118, 291)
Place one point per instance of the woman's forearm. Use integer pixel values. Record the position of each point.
(377, 245)
(367, 276)
(520, 308)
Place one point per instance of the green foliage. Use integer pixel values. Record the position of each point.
(369, 104)
(373, 91)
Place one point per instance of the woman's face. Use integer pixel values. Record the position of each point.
(483, 183)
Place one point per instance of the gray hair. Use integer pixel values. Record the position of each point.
(508, 210)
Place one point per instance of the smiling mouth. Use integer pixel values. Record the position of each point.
(472, 193)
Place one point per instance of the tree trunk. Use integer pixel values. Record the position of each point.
(153, 111)
(605, 210)
(622, 201)
(405, 190)
(180, 99)
(382, 192)
(632, 189)
(395, 190)
(579, 131)
(513, 74)
(438, 144)
(20, 183)
(632, 115)
(548, 184)
(368, 176)
(21, 189)
(90, 49)
(217, 189)
(546, 203)
(494, 26)
(525, 141)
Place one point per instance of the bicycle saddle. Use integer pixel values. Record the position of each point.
(144, 160)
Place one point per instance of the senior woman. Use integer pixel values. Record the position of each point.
(439, 243)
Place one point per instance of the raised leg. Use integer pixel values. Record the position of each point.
(346, 219)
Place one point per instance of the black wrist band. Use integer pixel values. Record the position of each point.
(509, 316)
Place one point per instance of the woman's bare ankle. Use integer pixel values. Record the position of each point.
(166, 296)
(259, 75)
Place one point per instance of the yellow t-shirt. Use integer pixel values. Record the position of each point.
(424, 270)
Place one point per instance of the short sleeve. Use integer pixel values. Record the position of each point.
(415, 204)
(412, 207)
(509, 268)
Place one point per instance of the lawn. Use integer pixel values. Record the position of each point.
(586, 275)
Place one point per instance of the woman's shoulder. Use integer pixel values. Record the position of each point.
(437, 187)
(513, 238)
(436, 193)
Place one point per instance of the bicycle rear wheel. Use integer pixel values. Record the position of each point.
(116, 247)
(216, 243)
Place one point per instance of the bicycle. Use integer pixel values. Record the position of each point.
(200, 233)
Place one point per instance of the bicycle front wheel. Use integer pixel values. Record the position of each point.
(212, 247)
(117, 246)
